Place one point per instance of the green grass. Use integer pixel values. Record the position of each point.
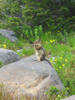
(25, 48)
(63, 49)
(1, 64)
(60, 46)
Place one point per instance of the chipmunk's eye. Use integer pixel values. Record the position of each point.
(37, 45)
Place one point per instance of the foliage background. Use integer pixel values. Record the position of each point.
(51, 14)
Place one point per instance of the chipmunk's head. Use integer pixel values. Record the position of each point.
(37, 44)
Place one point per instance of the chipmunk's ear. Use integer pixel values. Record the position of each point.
(39, 40)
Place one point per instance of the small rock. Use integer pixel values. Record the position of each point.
(8, 34)
(8, 56)
(70, 98)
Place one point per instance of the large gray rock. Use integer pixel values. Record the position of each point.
(8, 34)
(29, 77)
(8, 56)
(70, 98)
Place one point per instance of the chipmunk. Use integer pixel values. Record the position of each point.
(40, 51)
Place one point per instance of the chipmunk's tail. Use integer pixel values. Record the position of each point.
(48, 61)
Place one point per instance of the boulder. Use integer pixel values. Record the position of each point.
(29, 77)
(70, 98)
(8, 34)
(8, 56)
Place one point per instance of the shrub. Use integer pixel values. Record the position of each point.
(48, 13)
(55, 94)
